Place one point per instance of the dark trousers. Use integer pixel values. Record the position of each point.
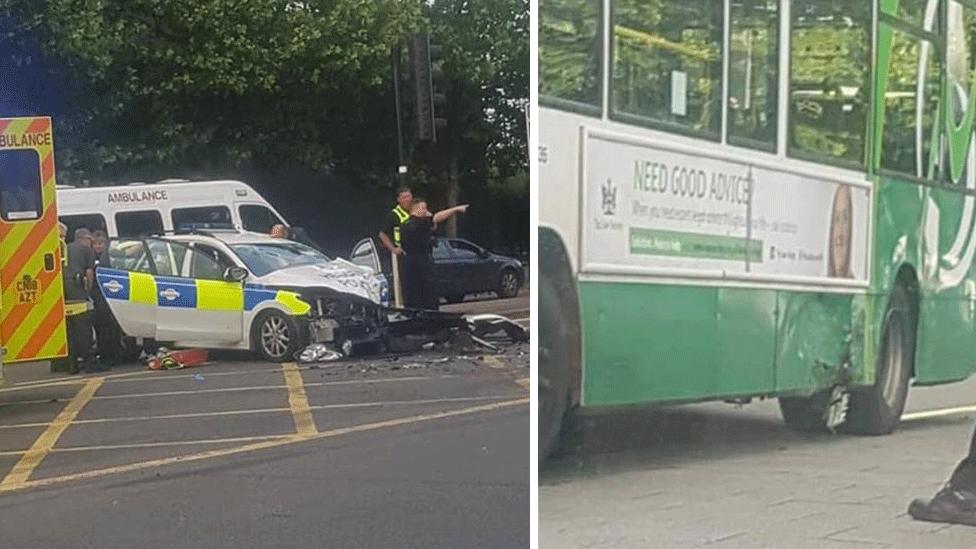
(964, 476)
(415, 281)
(79, 337)
(108, 336)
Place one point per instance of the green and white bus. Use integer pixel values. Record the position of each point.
(756, 198)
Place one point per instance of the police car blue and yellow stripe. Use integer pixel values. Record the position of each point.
(188, 293)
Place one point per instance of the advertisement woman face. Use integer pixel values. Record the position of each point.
(841, 229)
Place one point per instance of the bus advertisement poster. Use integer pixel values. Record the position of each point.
(650, 208)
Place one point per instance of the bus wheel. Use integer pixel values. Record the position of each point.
(555, 354)
(876, 410)
(803, 414)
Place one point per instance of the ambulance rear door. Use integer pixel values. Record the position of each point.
(32, 315)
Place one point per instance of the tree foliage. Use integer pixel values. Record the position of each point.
(144, 89)
(199, 85)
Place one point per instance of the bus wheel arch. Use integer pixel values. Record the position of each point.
(560, 341)
(877, 409)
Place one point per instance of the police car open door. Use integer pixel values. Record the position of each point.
(32, 313)
(365, 254)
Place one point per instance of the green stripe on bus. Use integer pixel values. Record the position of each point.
(682, 244)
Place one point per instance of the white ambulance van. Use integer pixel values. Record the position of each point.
(169, 205)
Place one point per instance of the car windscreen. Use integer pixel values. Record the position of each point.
(262, 259)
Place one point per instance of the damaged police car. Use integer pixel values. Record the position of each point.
(241, 290)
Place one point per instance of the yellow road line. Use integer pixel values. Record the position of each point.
(524, 382)
(938, 413)
(42, 446)
(298, 400)
(253, 411)
(264, 445)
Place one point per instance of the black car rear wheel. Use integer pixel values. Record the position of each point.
(508, 284)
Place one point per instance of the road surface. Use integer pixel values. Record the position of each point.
(720, 476)
(422, 450)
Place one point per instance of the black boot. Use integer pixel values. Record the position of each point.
(952, 505)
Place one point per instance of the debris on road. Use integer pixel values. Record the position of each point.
(318, 352)
(484, 325)
(165, 359)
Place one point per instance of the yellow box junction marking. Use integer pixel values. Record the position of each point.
(298, 400)
(44, 443)
(265, 445)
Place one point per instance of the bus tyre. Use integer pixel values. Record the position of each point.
(876, 410)
(555, 355)
(803, 414)
(276, 336)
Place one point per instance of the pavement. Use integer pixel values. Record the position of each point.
(426, 449)
(725, 476)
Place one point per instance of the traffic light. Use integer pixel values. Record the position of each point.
(426, 80)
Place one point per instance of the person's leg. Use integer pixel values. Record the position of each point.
(412, 285)
(956, 501)
(107, 337)
(429, 292)
(85, 340)
(964, 477)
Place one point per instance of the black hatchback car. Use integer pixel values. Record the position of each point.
(462, 267)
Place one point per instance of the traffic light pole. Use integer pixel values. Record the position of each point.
(401, 169)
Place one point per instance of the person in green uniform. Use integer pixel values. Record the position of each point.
(390, 233)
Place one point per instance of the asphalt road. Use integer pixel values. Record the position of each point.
(422, 450)
(718, 475)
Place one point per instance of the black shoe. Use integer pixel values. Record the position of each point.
(950, 505)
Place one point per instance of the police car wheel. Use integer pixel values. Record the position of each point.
(277, 336)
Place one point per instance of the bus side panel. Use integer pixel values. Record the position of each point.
(811, 333)
(934, 237)
(653, 342)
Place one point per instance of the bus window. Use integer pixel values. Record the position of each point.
(129, 224)
(92, 222)
(829, 87)
(753, 74)
(258, 218)
(20, 185)
(202, 217)
(906, 146)
(667, 63)
(570, 50)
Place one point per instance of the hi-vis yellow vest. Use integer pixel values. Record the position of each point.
(403, 216)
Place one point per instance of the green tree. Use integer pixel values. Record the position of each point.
(486, 66)
(199, 85)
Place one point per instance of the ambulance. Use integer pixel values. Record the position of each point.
(32, 308)
(169, 205)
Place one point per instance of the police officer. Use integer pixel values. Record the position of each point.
(390, 234)
(416, 237)
(79, 275)
(108, 335)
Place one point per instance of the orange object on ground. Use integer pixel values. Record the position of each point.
(189, 357)
(177, 360)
